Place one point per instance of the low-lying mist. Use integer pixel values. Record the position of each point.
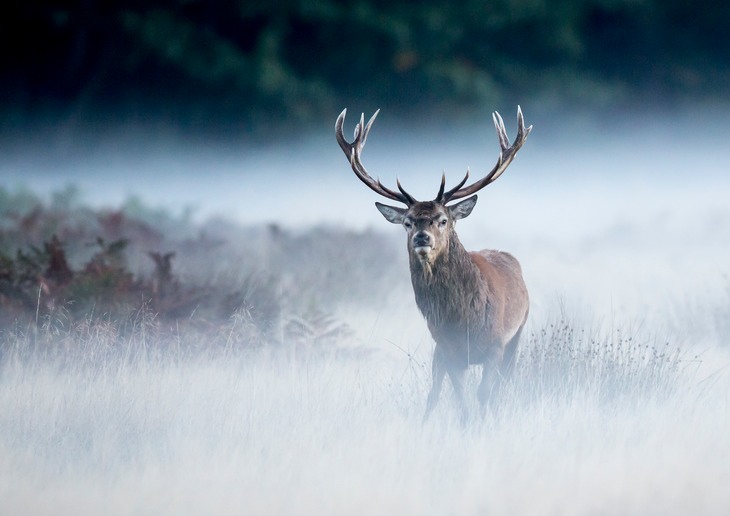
(618, 404)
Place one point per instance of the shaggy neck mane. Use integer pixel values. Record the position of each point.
(449, 287)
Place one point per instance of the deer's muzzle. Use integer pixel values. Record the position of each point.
(422, 244)
(421, 239)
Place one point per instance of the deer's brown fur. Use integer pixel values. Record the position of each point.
(475, 304)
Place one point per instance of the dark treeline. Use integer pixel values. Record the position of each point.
(201, 63)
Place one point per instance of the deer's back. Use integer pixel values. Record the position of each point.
(507, 293)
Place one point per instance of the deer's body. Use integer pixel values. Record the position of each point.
(466, 306)
(475, 304)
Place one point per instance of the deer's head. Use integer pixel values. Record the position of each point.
(429, 224)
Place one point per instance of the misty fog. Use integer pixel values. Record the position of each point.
(622, 212)
(203, 312)
(621, 226)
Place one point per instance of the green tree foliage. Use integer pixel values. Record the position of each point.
(198, 62)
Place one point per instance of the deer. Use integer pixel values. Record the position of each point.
(475, 303)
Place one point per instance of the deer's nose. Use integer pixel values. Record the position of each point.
(421, 239)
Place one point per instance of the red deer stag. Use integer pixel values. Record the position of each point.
(475, 303)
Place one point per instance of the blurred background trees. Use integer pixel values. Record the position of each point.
(201, 65)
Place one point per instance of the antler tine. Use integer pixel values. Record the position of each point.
(506, 155)
(409, 197)
(366, 130)
(521, 124)
(353, 151)
(444, 197)
(440, 195)
(501, 130)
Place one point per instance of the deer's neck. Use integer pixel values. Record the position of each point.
(449, 290)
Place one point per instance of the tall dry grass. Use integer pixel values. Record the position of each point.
(590, 422)
(305, 395)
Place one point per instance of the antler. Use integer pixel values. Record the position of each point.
(506, 155)
(353, 151)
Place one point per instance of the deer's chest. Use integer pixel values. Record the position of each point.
(452, 310)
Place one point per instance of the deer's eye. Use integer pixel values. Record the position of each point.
(442, 222)
(407, 225)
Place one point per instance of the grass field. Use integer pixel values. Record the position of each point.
(589, 425)
(300, 388)
(601, 417)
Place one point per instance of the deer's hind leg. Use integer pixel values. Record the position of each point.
(489, 387)
(510, 354)
(497, 369)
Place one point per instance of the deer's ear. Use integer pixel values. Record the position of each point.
(463, 209)
(391, 213)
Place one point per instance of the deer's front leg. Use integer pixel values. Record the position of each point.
(438, 371)
(456, 375)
